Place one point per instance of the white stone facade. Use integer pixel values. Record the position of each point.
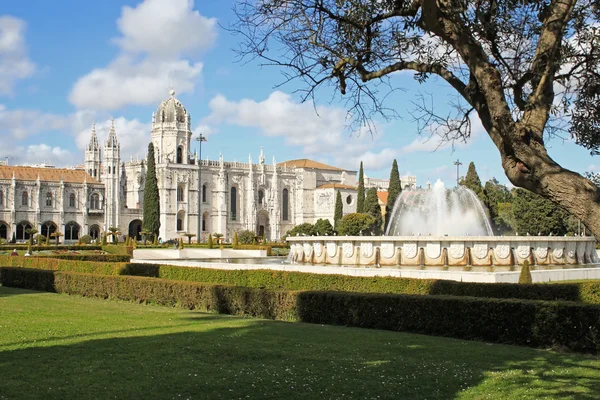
(266, 198)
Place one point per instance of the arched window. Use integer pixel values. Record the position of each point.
(95, 172)
(3, 230)
(204, 222)
(90, 171)
(179, 193)
(48, 199)
(95, 201)
(72, 231)
(48, 228)
(24, 199)
(95, 232)
(204, 193)
(233, 208)
(261, 196)
(22, 229)
(1, 198)
(179, 155)
(72, 200)
(180, 216)
(285, 199)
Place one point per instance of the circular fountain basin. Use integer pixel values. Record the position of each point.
(439, 251)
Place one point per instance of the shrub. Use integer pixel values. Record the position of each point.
(246, 237)
(87, 239)
(235, 240)
(356, 224)
(528, 323)
(303, 229)
(209, 242)
(525, 275)
(323, 227)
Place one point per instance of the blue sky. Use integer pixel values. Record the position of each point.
(67, 63)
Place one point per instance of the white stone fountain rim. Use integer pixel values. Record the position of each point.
(423, 238)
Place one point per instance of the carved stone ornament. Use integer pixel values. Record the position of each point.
(387, 249)
(292, 249)
(366, 249)
(502, 250)
(457, 250)
(307, 249)
(541, 252)
(571, 247)
(433, 250)
(331, 249)
(348, 249)
(559, 252)
(409, 250)
(318, 249)
(523, 251)
(480, 250)
(581, 250)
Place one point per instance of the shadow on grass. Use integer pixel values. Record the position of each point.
(6, 291)
(266, 359)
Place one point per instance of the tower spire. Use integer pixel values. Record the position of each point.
(112, 134)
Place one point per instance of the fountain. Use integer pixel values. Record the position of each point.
(439, 212)
(443, 231)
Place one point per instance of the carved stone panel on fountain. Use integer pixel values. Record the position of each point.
(457, 254)
(388, 253)
(541, 253)
(502, 254)
(433, 254)
(480, 254)
(319, 254)
(410, 254)
(367, 254)
(522, 253)
(349, 253)
(571, 253)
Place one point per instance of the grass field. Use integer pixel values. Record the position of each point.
(60, 347)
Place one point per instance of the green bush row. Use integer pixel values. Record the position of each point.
(88, 257)
(566, 325)
(57, 264)
(51, 246)
(586, 292)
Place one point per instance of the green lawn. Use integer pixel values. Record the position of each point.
(60, 347)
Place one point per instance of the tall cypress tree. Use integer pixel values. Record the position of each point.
(151, 210)
(339, 209)
(360, 195)
(473, 182)
(373, 208)
(394, 190)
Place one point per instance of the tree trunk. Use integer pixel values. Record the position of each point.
(527, 164)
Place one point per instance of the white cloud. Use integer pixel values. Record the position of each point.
(14, 63)
(156, 35)
(38, 154)
(126, 82)
(165, 28)
(321, 132)
(23, 123)
(435, 142)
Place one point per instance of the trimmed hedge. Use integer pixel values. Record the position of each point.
(51, 246)
(88, 257)
(587, 292)
(57, 264)
(522, 322)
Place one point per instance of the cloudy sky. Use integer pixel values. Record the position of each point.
(65, 64)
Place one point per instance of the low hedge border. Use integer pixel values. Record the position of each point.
(586, 292)
(51, 246)
(568, 325)
(88, 257)
(58, 264)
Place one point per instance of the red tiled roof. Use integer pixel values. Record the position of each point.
(306, 163)
(336, 186)
(45, 174)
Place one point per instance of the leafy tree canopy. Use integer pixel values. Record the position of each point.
(373, 208)
(356, 224)
(360, 193)
(151, 208)
(339, 209)
(323, 227)
(473, 182)
(306, 228)
(523, 68)
(394, 190)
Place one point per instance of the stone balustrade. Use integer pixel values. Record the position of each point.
(443, 250)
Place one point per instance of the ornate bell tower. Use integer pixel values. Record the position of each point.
(111, 178)
(93, 156)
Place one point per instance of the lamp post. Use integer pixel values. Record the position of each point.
(199, 139)
(458, 164)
